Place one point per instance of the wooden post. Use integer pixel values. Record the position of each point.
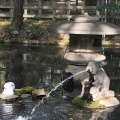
(25, 57)
(11, 9)
(54, 9)
(25, 10)
(102, 12)
(65, 5)
(40, 4)
(68, 9)
(97, 11)
(77, 5)
(83, 4)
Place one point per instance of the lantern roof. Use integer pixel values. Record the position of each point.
(85, 24)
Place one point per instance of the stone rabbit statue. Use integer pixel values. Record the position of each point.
(101, 83)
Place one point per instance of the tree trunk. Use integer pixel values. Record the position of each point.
(18, 15)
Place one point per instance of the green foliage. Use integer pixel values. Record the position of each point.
(79, 102)
(111, 6)
(10, 20)
(8, 29)
(36, 30)
(31, 21)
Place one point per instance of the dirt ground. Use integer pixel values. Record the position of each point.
(46, 36)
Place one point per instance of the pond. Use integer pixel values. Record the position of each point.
(27, 65)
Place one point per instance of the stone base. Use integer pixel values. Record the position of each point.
(102, 94)
(38, 92)
(101, 103)
(83, 58)
(8, 97)
(109, 102)
(109, 93)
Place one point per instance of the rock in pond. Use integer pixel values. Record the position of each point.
(24, 90)
(8, 92)
(8, 97)
(41, 89)
(38, 92)
(101, 103)
(24, 96)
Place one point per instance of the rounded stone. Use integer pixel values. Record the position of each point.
(83, 57)
(85, 18)
(84, 27)
(109, 102)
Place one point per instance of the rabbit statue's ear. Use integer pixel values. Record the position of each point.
(103, 63)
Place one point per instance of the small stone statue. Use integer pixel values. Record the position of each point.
(8, 92)
(100, 84)
(96, 86)
(9, 88)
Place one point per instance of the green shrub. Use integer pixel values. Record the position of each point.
(8, 28)
(36, 30)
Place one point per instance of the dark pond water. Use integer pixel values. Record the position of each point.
(26, 65)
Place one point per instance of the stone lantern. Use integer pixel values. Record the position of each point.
(85, 42)
(85, 37)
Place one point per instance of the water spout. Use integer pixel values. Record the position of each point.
(57, 86)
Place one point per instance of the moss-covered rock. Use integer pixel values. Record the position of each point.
(24, 90)
(80, 102)
(40, 92)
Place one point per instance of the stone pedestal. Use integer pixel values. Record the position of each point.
(96, 94)
(8, 97)
(83, 58)
(109, 102)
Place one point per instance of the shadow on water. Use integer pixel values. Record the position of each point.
(56, 110)
(27, 65)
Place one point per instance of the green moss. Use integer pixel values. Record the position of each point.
(79, 102)
(8, 28)
(24, 90)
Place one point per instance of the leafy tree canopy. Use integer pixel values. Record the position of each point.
(115, 6)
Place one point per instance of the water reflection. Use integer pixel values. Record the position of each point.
(29, 65)
(102, 114)
(59, 111)
(112, 68)
(7, 108)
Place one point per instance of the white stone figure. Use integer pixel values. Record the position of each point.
(101, 80)
(9, 88)
(8, 92)
(100, 85)
(84, 84)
